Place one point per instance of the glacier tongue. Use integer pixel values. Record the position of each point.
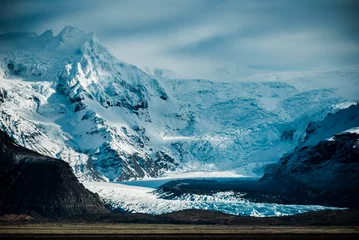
(66, 96)
(137, 199)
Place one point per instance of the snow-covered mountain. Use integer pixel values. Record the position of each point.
(67, 97)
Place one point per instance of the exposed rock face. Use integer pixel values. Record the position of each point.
(3, 95)
(36, 185)
(326, 173)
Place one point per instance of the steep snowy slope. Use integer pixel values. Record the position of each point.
(67, 97)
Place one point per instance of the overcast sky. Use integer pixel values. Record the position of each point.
(200, 35)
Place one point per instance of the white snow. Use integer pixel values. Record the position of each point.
(353, 130)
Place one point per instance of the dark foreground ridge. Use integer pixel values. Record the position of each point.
(37, 185)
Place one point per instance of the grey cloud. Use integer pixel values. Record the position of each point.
(277, 34)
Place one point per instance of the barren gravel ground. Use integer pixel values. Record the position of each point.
(172, 231)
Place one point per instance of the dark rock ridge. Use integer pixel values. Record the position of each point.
(325, 174)
(3, 95)
(36, 185)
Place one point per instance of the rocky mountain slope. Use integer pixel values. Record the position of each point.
(36, 185)
(67, 97)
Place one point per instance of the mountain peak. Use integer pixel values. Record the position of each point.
(48, 34)
(70, 32)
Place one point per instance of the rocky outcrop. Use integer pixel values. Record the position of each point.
(325, 174)
(36, 185)
(3, 95)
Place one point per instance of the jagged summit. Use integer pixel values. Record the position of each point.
(65, 34)
(69, 33)
(48, 34)
(69, 41)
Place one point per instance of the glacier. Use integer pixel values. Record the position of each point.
(68, 97)
(138, 199)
